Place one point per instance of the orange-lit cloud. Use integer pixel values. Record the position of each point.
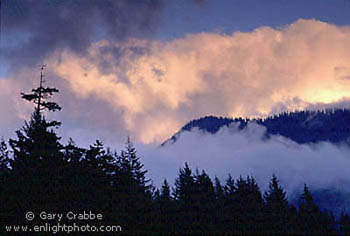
(159, 86)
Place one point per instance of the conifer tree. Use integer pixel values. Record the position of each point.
(184, 194)
(309, 213)
(205, 192)
(100, 159)
(38, 165)
(230, 187)
(131, 166)
(4, 158)
(229, 218)
(165, 192)
(219, 190)
(136, 166)
(35, 140)
(166, 210)
(203, 204)
(219, 213)
(72, 153)
(94, 178)
(134, 192)
(250, 205)
(276, 207)
(184, 185)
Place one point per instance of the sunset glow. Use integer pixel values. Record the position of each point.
(151, 86)
(245, 74)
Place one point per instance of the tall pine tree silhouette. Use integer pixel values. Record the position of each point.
(133, 190)
(311, 218)
(249, 205)
(277, 207)
(37, 163)
(35, 140)
(165, 209)
(184, 194)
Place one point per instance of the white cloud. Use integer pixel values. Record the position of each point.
(159, 86)
(229, 151)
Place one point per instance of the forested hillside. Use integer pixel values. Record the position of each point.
(331, 125)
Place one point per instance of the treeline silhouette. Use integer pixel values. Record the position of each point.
(40, 174)
(331, 125)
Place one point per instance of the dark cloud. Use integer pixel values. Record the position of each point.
(33, 28)
(116, 53)
(199, 2)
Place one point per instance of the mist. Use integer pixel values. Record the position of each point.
(247, 152)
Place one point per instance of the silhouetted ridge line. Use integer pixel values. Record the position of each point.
(330, 125)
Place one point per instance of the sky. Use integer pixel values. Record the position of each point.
(144, 68)
(151, 66)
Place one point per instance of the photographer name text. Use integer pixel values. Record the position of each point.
(51, 216)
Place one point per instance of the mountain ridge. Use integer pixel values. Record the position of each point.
(303, 127)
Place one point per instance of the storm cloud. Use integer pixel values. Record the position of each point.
(33, 28)
(156, 87)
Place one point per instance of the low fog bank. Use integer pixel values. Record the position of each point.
(230, 151)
